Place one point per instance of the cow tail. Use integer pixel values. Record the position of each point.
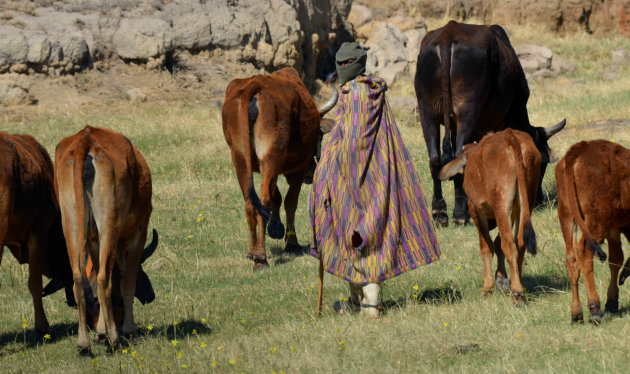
(84, 167)
(526, 235)
(576, 212)
(252, 116)
(447, 92)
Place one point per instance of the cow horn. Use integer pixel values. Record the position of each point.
(148, 251)
(553, 130)
(330, 103)
(53, 286)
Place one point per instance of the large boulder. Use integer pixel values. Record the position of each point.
(13, 47)
(387, 55)
(142, 38)
(14, 90)
(534, 57)
(61, 37)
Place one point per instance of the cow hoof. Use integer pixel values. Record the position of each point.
(596, 319)
(85, 351)
(275, 229)
(260, 264)
(612, 306)
(486, 293)
(250, 256)
(502, 284)
(293, 248)
(100, 339)
(518, 299)
(113, 349)
(440, 219)
(461, 221)
(578, 318)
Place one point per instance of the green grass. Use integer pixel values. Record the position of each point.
(214, 314)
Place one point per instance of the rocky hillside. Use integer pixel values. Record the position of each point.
(203, 44)
(61, 37)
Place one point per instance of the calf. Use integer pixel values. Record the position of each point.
(593, 181)
(272, 126)
(30, 223)
(500, 179)
(104, 188)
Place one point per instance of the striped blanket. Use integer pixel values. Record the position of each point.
(367, 208)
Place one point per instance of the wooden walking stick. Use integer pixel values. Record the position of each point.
(320, 290)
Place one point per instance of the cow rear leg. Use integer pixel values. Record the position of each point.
(501, 278)
(275, 228)
(615, 260)
(36, 245)
(571, 261)
(485, 249)
(511, 253)
(585, 260)
(290, 206)
(107, 250)
(431, 133)
(461, 215)
(129, 263)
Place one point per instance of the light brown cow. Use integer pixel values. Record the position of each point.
(500, 180)
(593, 182)
(104, 187)
(272, 126)
(30, 222)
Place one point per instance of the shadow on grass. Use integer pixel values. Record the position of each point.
(174, 331)
(539, 285)
(31, 338)
(285, 256)
(434, 296)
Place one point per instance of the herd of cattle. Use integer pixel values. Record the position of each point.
(85, 224)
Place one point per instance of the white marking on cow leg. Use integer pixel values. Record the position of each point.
(371, 296)
(437, 53)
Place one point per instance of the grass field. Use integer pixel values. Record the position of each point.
(214, 314)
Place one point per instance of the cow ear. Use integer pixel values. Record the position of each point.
(454, 167)
(326, 124)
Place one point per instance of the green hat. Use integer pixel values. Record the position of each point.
(349, 51)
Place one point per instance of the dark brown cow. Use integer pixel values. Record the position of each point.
(30, 222)
(272, 126)
(593, 181)
(470, 80)
(500, 179)
(104, 188)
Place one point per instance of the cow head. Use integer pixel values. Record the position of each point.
(325, 125)
(541, 135)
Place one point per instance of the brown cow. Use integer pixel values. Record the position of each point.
(500, 179)
(469, 79)
(104, 188)
(30, 222)
(272, 126)
(593, 181)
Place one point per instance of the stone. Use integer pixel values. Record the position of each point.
(562, 66)
(142, 38)
(534, 57)
(136, 94)
(359, 15)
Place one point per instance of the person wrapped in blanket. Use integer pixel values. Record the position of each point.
(367, 208)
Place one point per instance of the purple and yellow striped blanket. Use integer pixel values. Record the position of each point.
(367, 208)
